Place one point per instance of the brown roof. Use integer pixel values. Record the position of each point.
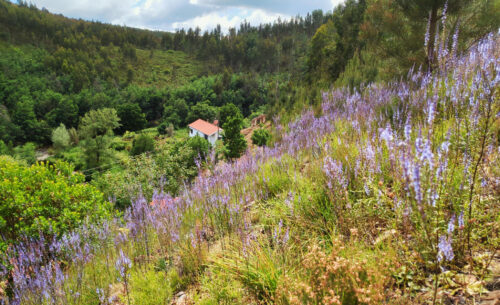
(204, 127)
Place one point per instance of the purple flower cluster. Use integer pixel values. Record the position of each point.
(335, 174)
(123, 266)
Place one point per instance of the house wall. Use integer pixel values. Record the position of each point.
(193, 133)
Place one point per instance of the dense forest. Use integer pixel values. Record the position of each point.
(371, 176)
(56, 69)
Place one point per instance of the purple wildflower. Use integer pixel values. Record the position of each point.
(123, 266)
(445, 248)
(461, 224)
(451, 225)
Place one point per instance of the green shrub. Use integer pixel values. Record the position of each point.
(27, 152)
(118, 144)
(45, 198)
(200, 146)
(143, 143)
(60, 137)
(166, 129)
(261, 137)
(75, 156)
(4, 149)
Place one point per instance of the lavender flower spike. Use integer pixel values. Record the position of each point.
(445, 248)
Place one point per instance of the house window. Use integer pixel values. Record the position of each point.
(206, 137)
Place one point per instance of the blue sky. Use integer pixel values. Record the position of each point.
(169, 15)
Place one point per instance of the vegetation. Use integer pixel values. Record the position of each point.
(143, 143)
(261, 137)
(45, 199)
(377, 182)
(234, 141)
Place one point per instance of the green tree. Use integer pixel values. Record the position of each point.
(176, 113)
(336, 41)
(96, 129)
(132, 118)
(51, 199)
(234, 141)
(24, 116)
(261, 137)
(143, 143)
(60, 137)
(99, 122)
(227, 111)
(428, 10)
(202, 111)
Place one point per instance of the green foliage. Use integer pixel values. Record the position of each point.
(26, 152)
(75, 156)
(150, 287)
(261, 137)
(169, 167)
(60, 137)
(99, 122)
(4, 149)
(45, 198)
(227, 111)
(203, 111)
(234, 141)
(336, 41)
(199, 146)
(221, 288)
(166, 129)
(143, 143)
(96, 128)
(176, 113)
(260, 271)
(131, 117)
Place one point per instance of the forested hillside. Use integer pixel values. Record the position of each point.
(358, 160)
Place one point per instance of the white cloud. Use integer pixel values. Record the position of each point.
(172, 14)
(228, 19)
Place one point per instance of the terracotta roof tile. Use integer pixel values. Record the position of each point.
(204, 127)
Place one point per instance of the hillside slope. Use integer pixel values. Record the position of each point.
(388, 195)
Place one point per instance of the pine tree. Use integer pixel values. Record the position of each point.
(234, 141)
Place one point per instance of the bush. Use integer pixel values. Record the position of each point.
(261, 137)
(143, 143)
(60, 137)
(199, 145)
(4, 149)
(75, 156)
(43, 198)
(27, 153)
(166, 129)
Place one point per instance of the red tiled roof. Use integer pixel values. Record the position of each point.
(204, 127)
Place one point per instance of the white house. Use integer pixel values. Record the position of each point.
(206, 130)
